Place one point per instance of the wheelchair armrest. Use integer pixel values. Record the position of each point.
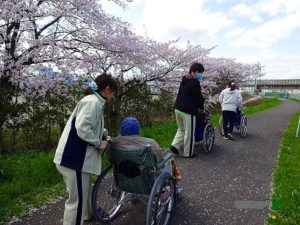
(163, 161)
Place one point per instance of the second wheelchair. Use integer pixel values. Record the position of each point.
(205, 132)
(240, 123)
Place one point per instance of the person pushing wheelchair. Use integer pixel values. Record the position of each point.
(230, 100)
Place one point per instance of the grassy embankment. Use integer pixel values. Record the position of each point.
(295, 99)
(286, 179)
(30, 179)
(27, 180)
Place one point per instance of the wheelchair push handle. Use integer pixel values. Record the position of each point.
(145, 150)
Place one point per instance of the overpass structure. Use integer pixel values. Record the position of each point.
(282, 88)
(288, 85)
(292, 85)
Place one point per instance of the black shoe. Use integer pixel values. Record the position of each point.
(174, 150)
(230, 136)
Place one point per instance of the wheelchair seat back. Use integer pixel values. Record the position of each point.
(133, 169)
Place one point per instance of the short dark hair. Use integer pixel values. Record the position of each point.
(231, 84)
(102, 82)
(197, 67)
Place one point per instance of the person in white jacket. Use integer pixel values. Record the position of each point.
(230, 99)
(78, 154)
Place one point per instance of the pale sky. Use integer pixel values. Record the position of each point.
(251, 31)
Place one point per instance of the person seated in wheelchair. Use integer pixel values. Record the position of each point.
(130, 139)
(200, 125)
(238, 117)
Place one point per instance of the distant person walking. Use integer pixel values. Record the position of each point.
(188, 103)
(78, 154)
(230, 99)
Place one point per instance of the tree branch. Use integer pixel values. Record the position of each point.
(48, 25)
(13, 39)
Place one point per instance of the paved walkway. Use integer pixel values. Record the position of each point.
(230, 186)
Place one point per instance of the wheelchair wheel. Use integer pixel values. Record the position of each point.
(208, 138)
(243, 126)
(161, 201)
(221, 125)
(107, 199)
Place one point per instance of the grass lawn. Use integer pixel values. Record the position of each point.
(266, 103)
(27, 180)
(286, 180)
(163, 133)
(295, 99)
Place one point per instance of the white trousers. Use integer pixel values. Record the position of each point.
(78, 206)
(185, 135)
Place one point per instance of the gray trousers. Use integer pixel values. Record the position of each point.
(78, 206)
(185, 135)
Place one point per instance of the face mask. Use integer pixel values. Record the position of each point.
(199, 76)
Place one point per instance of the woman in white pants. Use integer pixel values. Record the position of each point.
(78, 154)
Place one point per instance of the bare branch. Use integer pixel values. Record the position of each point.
(48, 25)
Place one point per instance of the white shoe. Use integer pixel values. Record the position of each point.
(179, 191)
(198, 142)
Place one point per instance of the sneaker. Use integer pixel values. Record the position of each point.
(174, 150)
(178, 177)
(179, 191)
(226, 137)
(198, 143)
(230, 136)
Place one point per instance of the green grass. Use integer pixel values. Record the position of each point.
(163, 133)
(266, 103)
(294, 99)
(286, 180)
(27, 180)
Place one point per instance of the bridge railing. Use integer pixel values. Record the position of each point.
(280, 95)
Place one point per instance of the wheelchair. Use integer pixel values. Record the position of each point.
(240, 123)
(135, 175)
(206, 134)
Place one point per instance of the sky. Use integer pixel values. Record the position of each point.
(250, 31)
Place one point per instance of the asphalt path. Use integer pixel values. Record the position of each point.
(231, 185)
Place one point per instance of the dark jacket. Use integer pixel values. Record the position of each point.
(189, 98)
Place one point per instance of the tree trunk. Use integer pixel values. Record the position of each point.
(49, 135)
(14, 138)
(1, 141)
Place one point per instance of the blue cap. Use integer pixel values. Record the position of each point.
(130, 126)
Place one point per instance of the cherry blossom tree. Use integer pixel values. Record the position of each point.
(65, 35)
(45, 45)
